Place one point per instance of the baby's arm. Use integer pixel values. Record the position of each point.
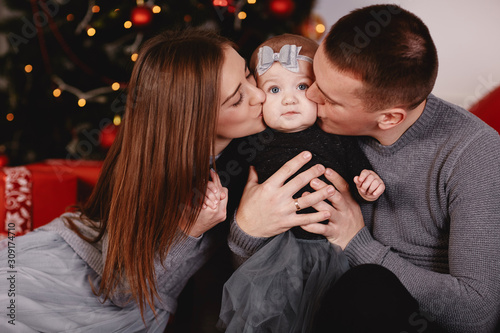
(370, 186)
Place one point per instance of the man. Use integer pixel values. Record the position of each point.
(434, 234)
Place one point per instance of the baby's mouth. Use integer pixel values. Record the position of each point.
(290, 113)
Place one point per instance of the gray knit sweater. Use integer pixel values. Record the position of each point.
(437, 226)
(182, 261)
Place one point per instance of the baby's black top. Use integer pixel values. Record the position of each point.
(340, 153)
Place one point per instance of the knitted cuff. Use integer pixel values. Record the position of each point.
(363, 249)
(241, 243)
(186, 245)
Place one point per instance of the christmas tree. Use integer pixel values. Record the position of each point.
(68, 62)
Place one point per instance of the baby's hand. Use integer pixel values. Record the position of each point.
(370, 186)
(213, 209)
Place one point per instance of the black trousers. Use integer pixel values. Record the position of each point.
(370, 298)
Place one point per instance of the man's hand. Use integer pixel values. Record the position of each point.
(268, 209)
(346, 219)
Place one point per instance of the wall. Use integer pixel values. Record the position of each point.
(466, 34)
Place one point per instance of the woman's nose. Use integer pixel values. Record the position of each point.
(257, 95)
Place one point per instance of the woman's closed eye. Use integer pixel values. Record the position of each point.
(239, 101)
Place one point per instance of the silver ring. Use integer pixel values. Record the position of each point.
(297, 204)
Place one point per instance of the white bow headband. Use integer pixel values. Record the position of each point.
(288, 58)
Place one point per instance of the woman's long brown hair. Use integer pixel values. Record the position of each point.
(159, 163)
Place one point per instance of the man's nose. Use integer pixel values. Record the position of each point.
(314, 94)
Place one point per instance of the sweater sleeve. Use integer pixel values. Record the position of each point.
(242, 245)
(467, 299)
(180, 264)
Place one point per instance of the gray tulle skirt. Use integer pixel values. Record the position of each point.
(48, 290)
(280, 287)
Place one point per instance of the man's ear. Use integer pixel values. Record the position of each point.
(391, 118)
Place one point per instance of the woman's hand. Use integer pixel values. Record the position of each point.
(346, 219)
(268, 209)
(213, 210)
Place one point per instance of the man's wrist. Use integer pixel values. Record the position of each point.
(364, 249)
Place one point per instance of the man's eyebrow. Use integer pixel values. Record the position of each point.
(232, 95)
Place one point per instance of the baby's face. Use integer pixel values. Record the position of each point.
(287, 109)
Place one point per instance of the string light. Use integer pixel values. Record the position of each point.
(241, 14)
(83, 97)
(115, 86)
(117, 120)
(251, 2)
(135, 45)
(70, 17)
(91, 9)
(28, 68)
(220, 3)
(156, 9)
(134, 56)
(187, 18)
(10, 116)
(127, 24)
(320, 28)
(91, 32)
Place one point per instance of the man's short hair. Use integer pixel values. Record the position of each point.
(390, 50)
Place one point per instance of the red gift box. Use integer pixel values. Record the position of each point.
(86, 172)
(35, 194)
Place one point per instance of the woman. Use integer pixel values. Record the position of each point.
(120, 263)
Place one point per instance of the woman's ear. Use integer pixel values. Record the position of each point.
(391, 118)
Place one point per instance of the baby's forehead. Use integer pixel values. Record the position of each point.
(278, 73)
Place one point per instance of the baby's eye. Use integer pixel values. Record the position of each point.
(302, 86)
(274, 90)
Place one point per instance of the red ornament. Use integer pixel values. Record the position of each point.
(108, 135)
(282, 8)
(141, 16)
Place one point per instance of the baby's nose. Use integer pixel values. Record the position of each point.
(289, 99)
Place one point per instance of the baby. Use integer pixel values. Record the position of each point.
(283, 69)
(279, 288)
